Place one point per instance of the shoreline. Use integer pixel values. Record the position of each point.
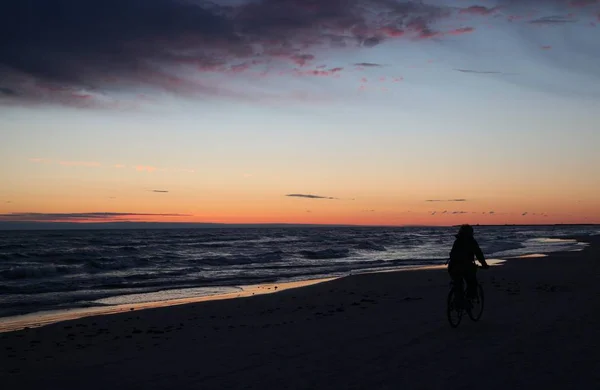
(47, 317)
(44, 318)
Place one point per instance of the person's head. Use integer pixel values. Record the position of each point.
(465, 231)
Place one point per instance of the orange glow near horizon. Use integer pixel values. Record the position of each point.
(287, 210)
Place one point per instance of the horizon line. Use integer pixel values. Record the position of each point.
(35, 225)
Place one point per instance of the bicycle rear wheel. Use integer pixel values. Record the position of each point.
(453, 312)
(476, 310)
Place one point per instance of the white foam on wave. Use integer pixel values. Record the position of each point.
(166, 295)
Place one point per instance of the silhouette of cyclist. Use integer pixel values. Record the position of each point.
(462, 262)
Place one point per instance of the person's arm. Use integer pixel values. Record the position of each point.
(452, 251)
(479, 254)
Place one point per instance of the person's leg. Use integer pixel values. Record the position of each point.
(457, 280)
(471, 279)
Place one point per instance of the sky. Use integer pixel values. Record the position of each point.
(374, 112)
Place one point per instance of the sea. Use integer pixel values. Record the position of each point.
(62, 269)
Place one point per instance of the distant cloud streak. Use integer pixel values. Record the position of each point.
(446, 200)
(552, 20)
(78, 217)
(478, 71)
(368, 64)
(309, 196)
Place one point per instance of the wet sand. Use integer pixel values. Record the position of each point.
(373, 331)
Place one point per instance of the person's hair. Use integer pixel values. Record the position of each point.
(465, 230)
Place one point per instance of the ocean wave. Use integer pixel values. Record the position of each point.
(115, 263)
(267, 257)
(12, 247)
(325, 254)
(34, 271)
(369, 245)
(213, 245)
(129, 249)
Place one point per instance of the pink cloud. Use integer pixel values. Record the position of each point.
(422, 29)
(302, 59)
(460, 31)
(145, 168)
(391, 31)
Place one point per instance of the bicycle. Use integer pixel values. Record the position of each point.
(473, 306)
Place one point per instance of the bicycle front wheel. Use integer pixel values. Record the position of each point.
(453, 311)
(476, 310)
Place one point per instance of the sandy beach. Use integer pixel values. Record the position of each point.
(372, 331)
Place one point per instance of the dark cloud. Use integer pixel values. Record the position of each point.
(371, 41)
(446, 200)
(78, 52)
(478, 71)
(368, 64)
(459, 212)
(552, 20)
(161, 191)
(525, 213)
(7, 91)
(308, 196)
(98, 216)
